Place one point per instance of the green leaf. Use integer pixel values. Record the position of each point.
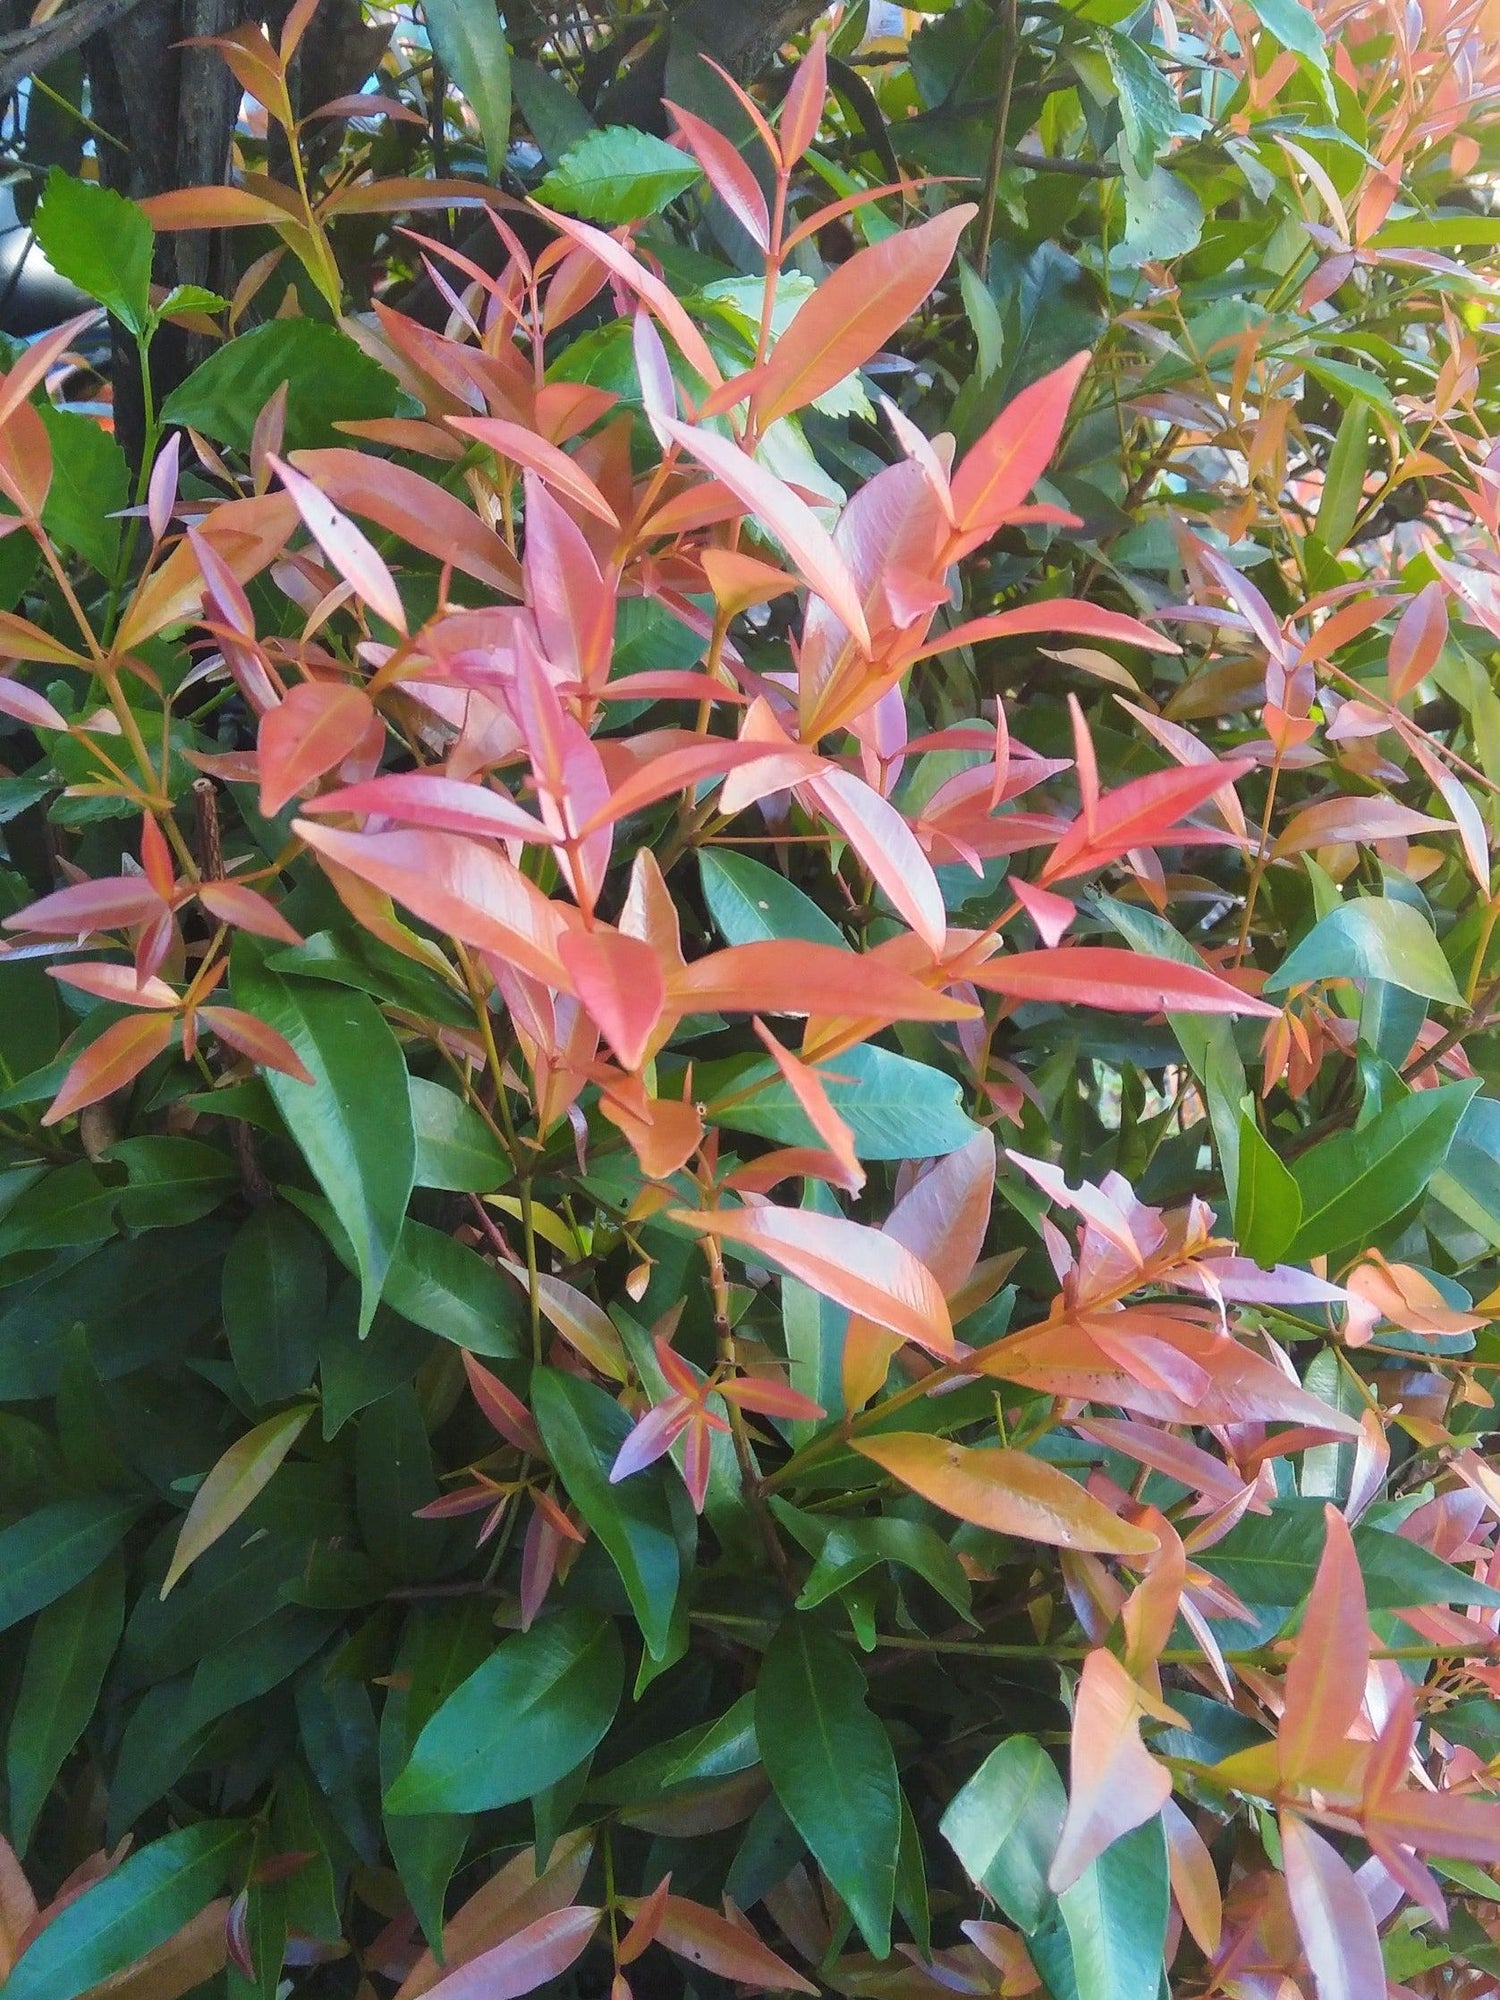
(172, 1181)
(1268, 1202)
(527, 1717)
(470, 43)
(1207, 1040)
(90, 482)
(852, 1548)
(556, 117)
(67, 1206)
(1004, 1825)
(830, 1763)
(275, 1298)
(583, 1429)
(132, 1910)
(1354, 1183)
(1294, 27)
(1107, 1938)
(1148, 104)
(618, 175)
(1374, 937)
(356, 1372)
(1344, 477)
(353, 1121)
(1163, 217)
(1271, 1560)
(71, 1647)
(441, 1284)
(329, 380)
(897, 1109)
(101, 243)
(1468, 1182)
(751, 903)
(49, 1551)
(393, 1478)
(455, 1148)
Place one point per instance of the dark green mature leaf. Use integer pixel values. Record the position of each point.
(153, 1893)
(897, 1109)
(523, 1720)
(1004, 1824)
(556, 117)
(100, 242)
(470, 43)
(618, 175)
(329, 380)
(353, 1121)
(1271, 1559)
(341, 1744)
(1355, 1182)
(830, 1762)
(355, 1372)
(275, 1302)
(853, 1548)
(751, 903)
(394, 1477)
(583, 1429)
(56, 1547)
(455, 1148)
(172, 1181)
(71, 1647)
(137, 1302)
(90, 482)
(67, 1206)
(1373, 937)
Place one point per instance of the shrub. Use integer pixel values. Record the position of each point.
(749, 1206)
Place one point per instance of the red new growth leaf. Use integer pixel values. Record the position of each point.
(720, 1945)
(1116, 1783)
(528, 1958)
(112, 903)
(854, 312)
(310, 733)
(1113, 978)
(619, 980)
(1334, 1918)
(352, 555)
(728, 172)
(1325, 1684)
(107, 1065)
(1000, 470)
(860, 1268)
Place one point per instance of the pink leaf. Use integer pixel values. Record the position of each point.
(529, 1958)
(1116, 1783)
(352, 555)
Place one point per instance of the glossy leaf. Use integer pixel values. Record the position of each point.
(832, 1768)
(235, 1480)
(1008, 1492)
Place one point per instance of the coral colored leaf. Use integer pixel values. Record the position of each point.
(586, 1327)
(648, 288)
(504, 1408)
(806, 1086)
(1334, 1919)
(445, 805)
(782, 514)
(1000, 470)
(1007, 1491)
(456, 885)
(109, 981)
(673, 771)
(1049, 615)
(112, 903)
(243, 1472)
(728, 174)
(1138, 814)
(233, 903)
(311, 732)
(645, 1922)
(253, 1038)
(514, 1897)
(1116, 979)
(24, 704)
(1325, 1683)
(1418, 640)
(731, 1950)
(108, 1064)
(858, 1267)
(1333, 821)
(1458, 1829)
(785, 977)
(346, 547)
(418, 510)
(619, 980)
(523, 447)
(1116, 1783)
(854, 312)
(1195, 1880)
(889, 850)
(529, 1958)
